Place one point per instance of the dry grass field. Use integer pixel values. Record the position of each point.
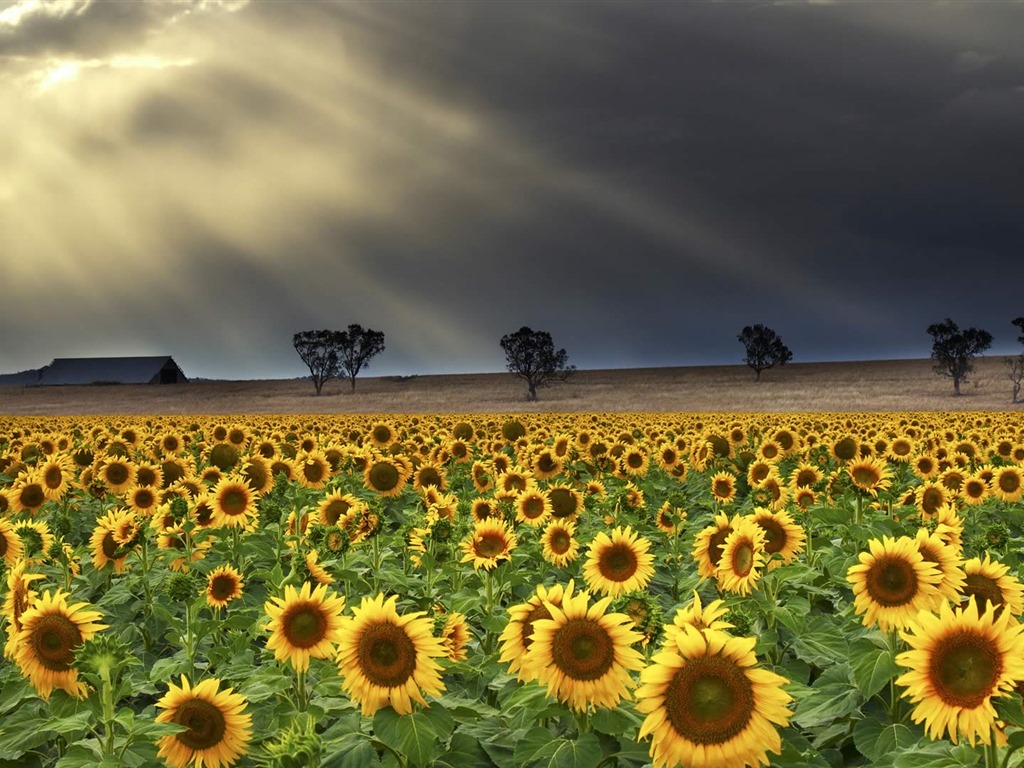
(889, 385)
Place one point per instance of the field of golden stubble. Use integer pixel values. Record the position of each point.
(881, 385)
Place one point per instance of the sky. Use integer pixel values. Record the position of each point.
(640, 179)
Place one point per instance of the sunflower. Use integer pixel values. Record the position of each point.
(427, 475)
(20, 597)
(697, 616)
(118, 474)
(532, 506)
(257, 474)
(51, 632)
(490, 543)
(583, 655)
(707, 545)
(517, 637)
(314, 470)
(742, 558)
(1008, 483)
(387, 659)
(384, 476)
(758, 471)
(806, 476)
(959, 661)
(930, 498)
(317, 571)
(234, 503)
(892, 582)
(304, 624)
(218, 728)
(988, 581)
(634, 461)
(974, 490)
(455, 636)
(142, 499)
(56, 475)
(336, 506)
(947, 559)
(566, 501)
(708, 705)
(11, 549)
(870, 475)
(782, 537)
(106, 550)
(950, 527)
(670, 519)
(723, 487)
(618, 563)
(28, 493)
(558, 543)
(481, 474)
(223, 585)
(546, 465)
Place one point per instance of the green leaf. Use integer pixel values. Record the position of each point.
(823, 646)
(80, 756)
(412, 735)
(936, 755)
(582, 752)
(874, 738)
(873, 667)
(352, 750)
(463, 752)
(165, 669)
(616, 721)
(537, 744)
(825, 704)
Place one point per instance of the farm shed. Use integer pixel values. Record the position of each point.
(111, 370)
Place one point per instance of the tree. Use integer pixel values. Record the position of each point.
(764, 348)
(319, 351)
(953, 350)
(355, 348)
(531, 356)
(1016, 364)
(1019, 322)
(331, 354)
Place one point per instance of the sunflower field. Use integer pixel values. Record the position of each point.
(696, 590)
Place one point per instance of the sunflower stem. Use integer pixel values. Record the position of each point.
(583, 721)
(895, 713)
(489, 611)
(859, 509)
(107, 699)
(301, 694)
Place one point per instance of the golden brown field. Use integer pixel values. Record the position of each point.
(890, 385)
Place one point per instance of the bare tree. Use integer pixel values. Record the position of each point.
(531, 355)
(954, 350)
(355, 348)
(1016, 366)
(764, 349)
(319, 351)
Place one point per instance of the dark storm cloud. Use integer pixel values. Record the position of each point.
(641, 179)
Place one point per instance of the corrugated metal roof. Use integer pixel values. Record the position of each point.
(106, 370)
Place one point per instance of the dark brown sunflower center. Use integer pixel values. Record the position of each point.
(805, 478)
(715, 544)
(117, 474)
(144, 498)
(223, 586)
(846, 449)
(109, 546)
(865, 477)
(1009, 482)
(526, 631)
(563, 503)
(760, 472)
(743, 558)
(384, 476)
(900, 448)
(710, 700)
(547, 463)
(635, 460)
(974, 489)
(983, 590)
(53, 477)
(931, 500)
(560, 541)
(255, 475)
(205, 723)
(335, 510)
(582, 649)
(965, 668)
(313, 471)
(722, 488)
(490, 545)
(430, 476)
(774, 536)
(618, 562)
(3, 545)
(892, 581)
(387, 656)
(533, 507)
(234, 501)
(32, 496)
(304, 625)
(54, 640)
